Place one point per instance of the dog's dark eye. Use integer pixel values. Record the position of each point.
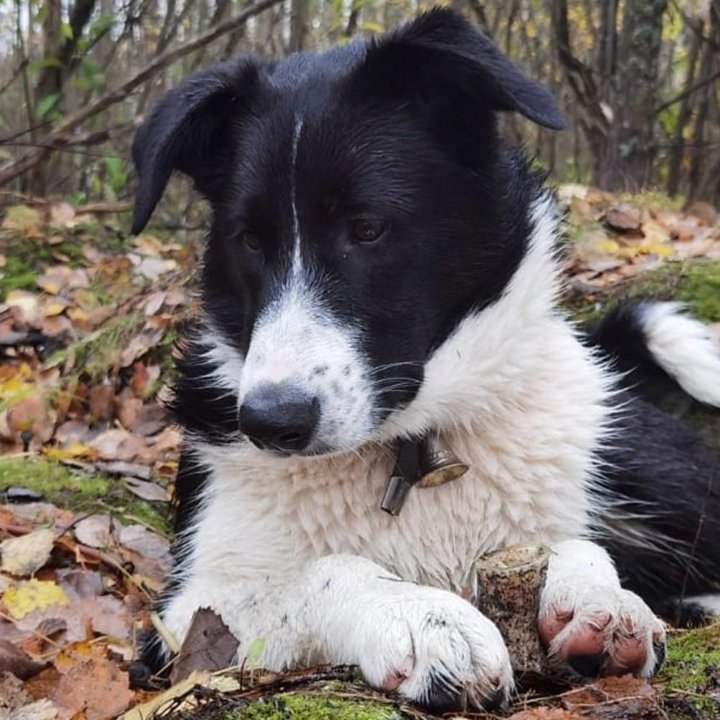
(250, 239)
(367, 231)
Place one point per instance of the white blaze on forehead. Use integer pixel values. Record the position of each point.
(296, 267)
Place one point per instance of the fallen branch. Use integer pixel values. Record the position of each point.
(61, 134)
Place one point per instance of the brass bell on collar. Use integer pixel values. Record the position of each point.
(438, 465)
(423, 462)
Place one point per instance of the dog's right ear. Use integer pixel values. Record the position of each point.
(189, 132)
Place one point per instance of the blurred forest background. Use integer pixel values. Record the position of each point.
(638, 80)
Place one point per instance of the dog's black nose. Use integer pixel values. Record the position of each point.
(279, 417)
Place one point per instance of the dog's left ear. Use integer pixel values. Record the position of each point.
(191, 131)
(442, 51)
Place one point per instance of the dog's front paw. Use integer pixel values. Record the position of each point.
(436, 649)
(600, 630)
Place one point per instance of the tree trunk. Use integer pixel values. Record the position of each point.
(629, 164)
(299, 24)
(677, 152)
(49, 83)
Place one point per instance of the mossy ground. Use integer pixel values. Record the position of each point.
(303, 706)
(692, 673)
(81, 492)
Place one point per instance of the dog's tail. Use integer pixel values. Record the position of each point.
(655, 341)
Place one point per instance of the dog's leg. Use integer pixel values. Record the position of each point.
(430, 645)
(587, 621)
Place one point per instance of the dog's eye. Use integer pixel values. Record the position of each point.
(367, 231)
(250, 239)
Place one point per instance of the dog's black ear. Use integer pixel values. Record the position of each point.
(442, 50)
(188, 131)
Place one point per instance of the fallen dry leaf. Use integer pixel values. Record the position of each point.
(16, 661)
(26, 554)
(95, 531)
(12, 693)
(39, 710)
(146, 490)
(144, 542)
(624, 217)
(90, 683)
(545, 713)
(83, 617)
(209, 645)
(31, 595)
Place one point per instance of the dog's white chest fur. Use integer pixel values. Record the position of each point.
(516, 397)
(531, 467)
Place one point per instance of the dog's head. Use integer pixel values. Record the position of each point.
(361, 206)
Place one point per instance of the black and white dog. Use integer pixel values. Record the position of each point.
(381, 269)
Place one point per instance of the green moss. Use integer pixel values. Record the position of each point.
(80, 492)
(693, 663)
(314, 707)
(701, 289)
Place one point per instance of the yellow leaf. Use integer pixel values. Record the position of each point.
(72, 452)
(608, 246)
(49, 286)
(33, 595)
(54, 309)
(658, 248)
(77, 315)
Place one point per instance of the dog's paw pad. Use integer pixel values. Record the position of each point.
(601, 631)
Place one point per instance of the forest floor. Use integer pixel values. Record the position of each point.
(89, 318)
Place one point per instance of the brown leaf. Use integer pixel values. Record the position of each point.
(128, 411)
(63, 215)
(95, 531)
(615, 698)
(17, 661)
(146, 490)
(545, 713)
(153, 418)
(118, 444)
(145, 542)
(31, 414)
(79, 583)
(209, 645)
(624, 217)
(139, 346)
(101, 402)
(102, 615)
(154, 303)
(140, 379)
(92, 683)
(704, 211)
